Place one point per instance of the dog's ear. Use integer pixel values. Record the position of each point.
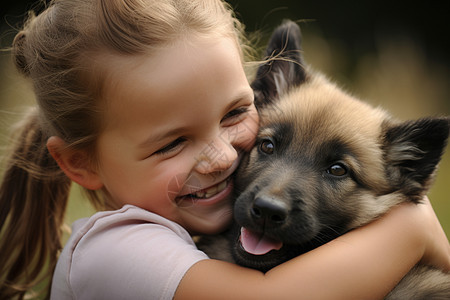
(413, 150)
(283, 66)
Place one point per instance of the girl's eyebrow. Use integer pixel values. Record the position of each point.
(243, 95)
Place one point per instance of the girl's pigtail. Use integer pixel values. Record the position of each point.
(33, 199)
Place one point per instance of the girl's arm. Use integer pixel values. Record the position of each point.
(365, 263)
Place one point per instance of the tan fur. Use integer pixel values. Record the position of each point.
(323, 111)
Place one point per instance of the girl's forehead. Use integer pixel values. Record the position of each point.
(189, 50)
(172, 77)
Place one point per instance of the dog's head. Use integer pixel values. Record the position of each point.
(324, 162)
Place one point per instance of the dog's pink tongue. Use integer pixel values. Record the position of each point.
(258, 244)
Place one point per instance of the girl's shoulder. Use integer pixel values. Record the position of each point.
(129, 247)
(115, 221)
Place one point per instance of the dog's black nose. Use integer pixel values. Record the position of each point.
(269, 211)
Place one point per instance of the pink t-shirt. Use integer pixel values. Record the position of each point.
(125, 254)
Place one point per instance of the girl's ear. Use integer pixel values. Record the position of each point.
(74, 164)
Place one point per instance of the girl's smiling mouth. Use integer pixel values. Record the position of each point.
(211, 191)
(192, 191)
(207, 196)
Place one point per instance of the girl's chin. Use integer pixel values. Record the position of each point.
(212, 222)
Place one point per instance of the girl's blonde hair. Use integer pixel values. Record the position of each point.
(56, 50)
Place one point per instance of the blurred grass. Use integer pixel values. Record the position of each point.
(397, 77)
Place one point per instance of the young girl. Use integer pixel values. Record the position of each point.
(146, 105)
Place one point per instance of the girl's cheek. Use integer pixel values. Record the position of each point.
(245, 141)
(251, 126)
(175, 184)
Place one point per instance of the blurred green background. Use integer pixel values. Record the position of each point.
(391, 53)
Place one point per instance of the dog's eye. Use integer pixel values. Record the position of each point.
(266, 147)
(337, 170)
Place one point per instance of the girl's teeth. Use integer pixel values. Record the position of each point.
(211, 191)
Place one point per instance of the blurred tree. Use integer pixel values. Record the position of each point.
(358, 23)
(355, 22)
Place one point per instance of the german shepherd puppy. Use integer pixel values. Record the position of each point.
(323, 164)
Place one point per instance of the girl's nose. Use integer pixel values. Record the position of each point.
(218, 155)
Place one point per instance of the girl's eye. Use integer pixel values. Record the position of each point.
(266, 146)
(337, 169)
(172, 146)
(234, 116)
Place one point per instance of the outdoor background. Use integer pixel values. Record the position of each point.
(391, 53)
